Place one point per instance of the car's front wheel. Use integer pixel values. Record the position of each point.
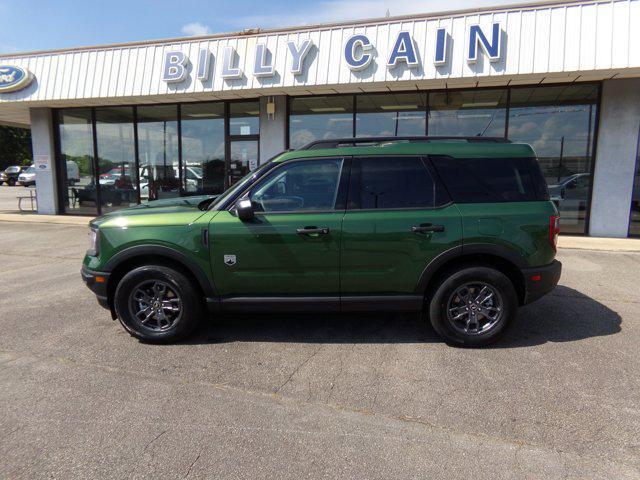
(473, 306)
(11, 182)
(157, 304)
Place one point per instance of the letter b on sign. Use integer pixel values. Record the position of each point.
(174, 67)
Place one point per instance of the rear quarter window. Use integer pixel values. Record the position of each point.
(480, 180)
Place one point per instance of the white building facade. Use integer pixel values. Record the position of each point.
(116, 125)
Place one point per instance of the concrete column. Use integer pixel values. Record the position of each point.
(273, 131)
(44, 154)
(615, 158)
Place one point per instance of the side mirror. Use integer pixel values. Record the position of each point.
(244, 209)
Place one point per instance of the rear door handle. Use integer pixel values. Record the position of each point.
(313, 231)
(427, 228)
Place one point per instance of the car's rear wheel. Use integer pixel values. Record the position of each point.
(473, 306)
(157, 304)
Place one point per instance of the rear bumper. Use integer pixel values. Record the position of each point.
(541, 280)
(93, 283)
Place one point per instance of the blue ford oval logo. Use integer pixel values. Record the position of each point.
(13, 78)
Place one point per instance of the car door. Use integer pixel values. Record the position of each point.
(291, 248)
(398, 219)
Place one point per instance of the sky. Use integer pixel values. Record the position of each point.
(28, 25)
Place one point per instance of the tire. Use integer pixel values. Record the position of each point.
(167, 326)
(474, 323)
(11, 182)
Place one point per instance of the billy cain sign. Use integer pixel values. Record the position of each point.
(358, 53)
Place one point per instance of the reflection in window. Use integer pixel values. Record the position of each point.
(203, 148)
(311, 185)
(470, 113)
(117, 174)
(78, 183)
(558, 122)
(158, 150)
(317, 118)
(244, 118)
(634, 221)
(401, 182)
(391, 114)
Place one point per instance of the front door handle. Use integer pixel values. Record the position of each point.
(428, 228)
(313, 231)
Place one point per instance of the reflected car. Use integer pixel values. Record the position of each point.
(193, 175)
(28, 177)
(571, 187)
(10, 175)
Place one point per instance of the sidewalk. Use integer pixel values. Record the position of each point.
(565, 241)
(598, 243)
(35, 218)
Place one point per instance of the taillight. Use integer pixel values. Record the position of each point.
(554, 230)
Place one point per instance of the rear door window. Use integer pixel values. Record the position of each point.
(478, 180)
(393, 183)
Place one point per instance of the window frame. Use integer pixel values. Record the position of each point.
(356, 183)
(341, 195)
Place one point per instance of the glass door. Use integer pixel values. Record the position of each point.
(243, 158)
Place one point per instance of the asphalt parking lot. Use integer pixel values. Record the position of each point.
(314, 397)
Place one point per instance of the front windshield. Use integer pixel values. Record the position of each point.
(241, 184)
(31, 170)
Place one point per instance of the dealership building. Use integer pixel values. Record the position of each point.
(116, 125)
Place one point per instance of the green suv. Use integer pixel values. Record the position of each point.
(461, 229)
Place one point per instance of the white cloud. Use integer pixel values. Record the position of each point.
(195, 29)
(342, 10)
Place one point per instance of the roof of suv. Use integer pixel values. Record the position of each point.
(452, 148)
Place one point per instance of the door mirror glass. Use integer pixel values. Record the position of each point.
(244, 209)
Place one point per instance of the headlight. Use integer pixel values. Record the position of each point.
(94, 243)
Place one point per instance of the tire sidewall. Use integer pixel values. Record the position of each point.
(438, 304)
(191, 303)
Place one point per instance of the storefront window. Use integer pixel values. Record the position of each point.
(469, 113)
(77, 174)
(244, 118)
(634, 220)
(203, 153)
(158, 151)
(316, 118)
(391, 114)
(117, 176)
(558, 122)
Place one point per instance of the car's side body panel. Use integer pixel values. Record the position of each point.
(267, 256)
(382, 255)
(521, 228)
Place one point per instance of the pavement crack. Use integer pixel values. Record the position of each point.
(192, 464)
(154, 439)
(297, 369)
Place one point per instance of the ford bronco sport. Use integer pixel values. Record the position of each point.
(461, 229)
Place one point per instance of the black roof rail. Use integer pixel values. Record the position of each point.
(352, 142)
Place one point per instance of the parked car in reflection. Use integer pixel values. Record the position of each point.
(10, 175)
(571, 187)
(110, 177)
(28, 177)
(193, 180)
